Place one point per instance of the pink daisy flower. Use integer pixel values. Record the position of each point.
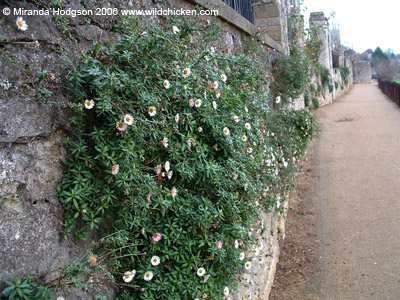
(121, 126)
(206, 278)
(157, 236)
(191, 102)
(158, 169)
(115, 169)
(219, 244)
(170, 173)
(174, 192)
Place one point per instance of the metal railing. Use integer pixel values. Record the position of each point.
(390, 89)
(243, 7)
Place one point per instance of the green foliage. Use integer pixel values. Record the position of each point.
(336, 84)
(378, 57)
(324, 75)
(231, 157)
(291, 75)
(26, 289)
(307, 98)
(313, 43)
(315, 102)
(345, 73)
(83, 275)
(397, 80)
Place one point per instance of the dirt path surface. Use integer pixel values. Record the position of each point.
(343, 237)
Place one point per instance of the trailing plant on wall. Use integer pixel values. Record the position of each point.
(175, 154)
(291, 75)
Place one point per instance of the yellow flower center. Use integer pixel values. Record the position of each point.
(127, 276)
(20, 24)
(147, 275)
(165, 83)
(128, 119)
(93, 259)
(185, 72)
(121, 125)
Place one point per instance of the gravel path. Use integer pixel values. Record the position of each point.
(345, 225)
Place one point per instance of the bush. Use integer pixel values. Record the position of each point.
(291, 75)
(344, 74)
(307, 98)
(336, 84)
(174, 156)
(315, 102)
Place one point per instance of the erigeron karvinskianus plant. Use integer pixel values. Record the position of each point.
(174, 156)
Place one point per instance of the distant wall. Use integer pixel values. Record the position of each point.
(362, 72)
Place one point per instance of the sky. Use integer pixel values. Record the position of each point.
(363, 24)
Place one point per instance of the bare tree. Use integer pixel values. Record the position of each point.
(387, 70)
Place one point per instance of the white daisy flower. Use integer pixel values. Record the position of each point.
(214, 104)
(21, 24)
(148, 276)
(200, 129)
(212, 50)
(278, 99)
(224, 78)
(155, 260)
(226, 291)
(128, 120)
(177, 118)
(128, 276)
(215, 85)
(242, 256)
(197, 103)
(247, 125)
(167, 166)
(60, 298)
(165, 142)
(152, 111)
(236, 119)
(89, 104)
(236, 244)
(167, 85)
(226, 131)
(247, 265)
(201, 272)
(249, 150)
(261, 260)
(244, 138)
(246, 109)
(256, 251)
(175, 29)
(186, 72)
(218, 94)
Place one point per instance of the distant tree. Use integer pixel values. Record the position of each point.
(387, 69)
(378, 56)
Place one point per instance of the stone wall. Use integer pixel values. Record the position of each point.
(32, 137)
(362, 72)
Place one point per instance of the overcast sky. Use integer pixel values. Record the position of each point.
(363, 24)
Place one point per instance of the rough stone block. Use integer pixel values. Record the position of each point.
(268, 10)
(275, 32)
